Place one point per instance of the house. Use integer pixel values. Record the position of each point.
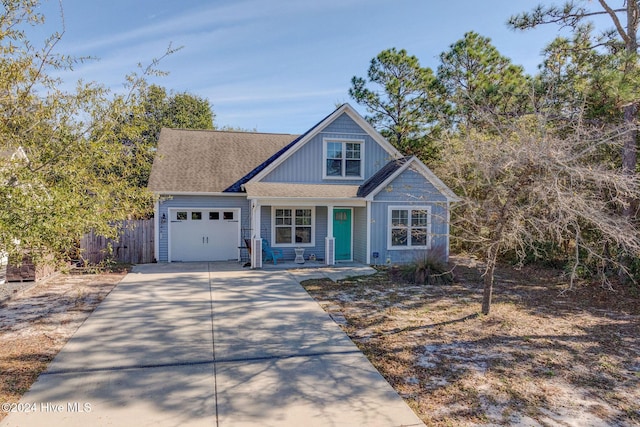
(7, 158)
(340, 191)
(18, 267)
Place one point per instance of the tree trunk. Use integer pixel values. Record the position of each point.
(492, 255)
(630, 151)
(488, 289)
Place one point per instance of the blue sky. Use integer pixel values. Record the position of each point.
(276, 65)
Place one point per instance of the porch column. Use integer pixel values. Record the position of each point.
(330, 241)
(256, 238)
(256, 253)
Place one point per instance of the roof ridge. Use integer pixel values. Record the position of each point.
(237, 186)
(379, 177)
(229, 131)
(216, 159)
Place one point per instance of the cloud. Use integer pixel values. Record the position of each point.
(272, 94)
(225, 20)
(258, 61)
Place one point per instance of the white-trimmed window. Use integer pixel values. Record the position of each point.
(409, 227)
(343, 159)
(293, 226)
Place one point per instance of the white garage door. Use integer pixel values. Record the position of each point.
(204, 234)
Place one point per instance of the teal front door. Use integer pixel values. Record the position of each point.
(342, 234)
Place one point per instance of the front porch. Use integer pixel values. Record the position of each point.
(328, 230)
(319, 270)
(291, 265)
(293, 258)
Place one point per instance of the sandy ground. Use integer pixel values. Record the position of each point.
(541, 358)
(36, 323)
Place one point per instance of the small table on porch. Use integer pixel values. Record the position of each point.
(299, 256)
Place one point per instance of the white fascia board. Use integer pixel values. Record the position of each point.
(372, 132)
(297, 201)
(387, 181)
(354, 115)
(260, 175)
(197, 193)
(437, 182)
(425, 172)
(20, 154)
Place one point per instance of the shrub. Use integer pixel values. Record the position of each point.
(427, 271)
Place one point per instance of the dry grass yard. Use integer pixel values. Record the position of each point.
(541, 358)
(36, 324)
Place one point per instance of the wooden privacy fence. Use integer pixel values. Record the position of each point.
(134, 246)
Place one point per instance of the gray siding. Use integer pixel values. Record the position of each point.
(199, 202)
(410, 186)
(409, 189)
(305, 165)
(360, 234)
(288, 252)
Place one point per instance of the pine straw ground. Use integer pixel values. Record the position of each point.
(542, 357)
(35, 325)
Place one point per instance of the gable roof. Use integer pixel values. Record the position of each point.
(13, 154)
(205, 161)
(304, 138)
(237, 186)
(381, 176)
(393, 169)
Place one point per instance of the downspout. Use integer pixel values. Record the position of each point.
(447, 231)
(368, 258)
(156, 231)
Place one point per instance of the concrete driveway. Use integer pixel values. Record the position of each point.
(211, 344)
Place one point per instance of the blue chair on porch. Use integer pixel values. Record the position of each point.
(269, 253)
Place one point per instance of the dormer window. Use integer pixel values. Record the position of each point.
(343, 159)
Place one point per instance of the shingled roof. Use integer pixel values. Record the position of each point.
(237, 186)
(307, 191)
(208, 161)
(381, 176)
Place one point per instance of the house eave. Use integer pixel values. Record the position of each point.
(426, 172)
(319, 128)
(309, 201)
(198, 193)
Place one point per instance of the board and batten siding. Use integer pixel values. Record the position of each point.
(306, 165)
(288, 253)
(197, 202)
(360, 234)
(409, 189)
